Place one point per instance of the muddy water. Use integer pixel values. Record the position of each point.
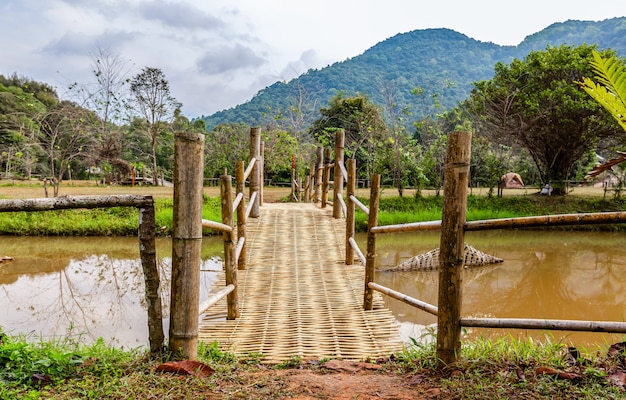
(93, 287)
(552, 275)
(85, 287)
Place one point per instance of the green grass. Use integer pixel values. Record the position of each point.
(115, 221)
(504, 368)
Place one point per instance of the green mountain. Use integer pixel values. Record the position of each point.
(442, 62)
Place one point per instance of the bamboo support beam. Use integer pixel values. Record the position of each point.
(240, 206)
(230, 269)
(337, 175)
(326, 177)
(343, 170)
(212, 300)
(147, 252)
(186, 244)
(370, 264)
(429, 308)
(350, 211)
(452, 246)
(255, 176)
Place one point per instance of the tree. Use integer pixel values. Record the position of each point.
(364, 127)
(67, 134)
(536, 103)
(151, 91)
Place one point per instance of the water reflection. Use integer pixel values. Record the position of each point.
(87, 287)
(552, 275)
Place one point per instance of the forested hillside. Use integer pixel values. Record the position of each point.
(440, 63)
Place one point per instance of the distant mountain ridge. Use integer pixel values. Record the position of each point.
(442, 62)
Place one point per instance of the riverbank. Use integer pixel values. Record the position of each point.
(505, 368)
(393, 209)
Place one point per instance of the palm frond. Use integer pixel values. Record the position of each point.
(610, 92)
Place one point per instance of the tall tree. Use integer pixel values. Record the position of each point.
(537, 104)
(155, 103)
(362, 122)
(67, 134)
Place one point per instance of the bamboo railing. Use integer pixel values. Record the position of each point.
(235, 237)
(147, 245)
(453, 227)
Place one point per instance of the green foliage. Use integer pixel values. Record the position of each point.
(610, 91)
(422, 58)
(535, 104)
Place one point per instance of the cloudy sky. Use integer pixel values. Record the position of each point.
(219, 53)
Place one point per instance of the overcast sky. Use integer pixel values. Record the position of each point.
(217, 54)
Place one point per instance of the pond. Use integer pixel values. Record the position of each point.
(546, 274)
(86, 287)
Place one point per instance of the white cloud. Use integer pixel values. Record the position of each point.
(219, 53)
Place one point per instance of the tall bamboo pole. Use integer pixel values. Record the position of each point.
(351, 191)
(370, 264)
(255, 176)
(147, 251)
(261, 172)
(451, 247)
(229, 246)
(318, 174)
(326, 177)
(338, 176)
(186, 244)
(241, 213)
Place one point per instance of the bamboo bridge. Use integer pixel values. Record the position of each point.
(297, 296)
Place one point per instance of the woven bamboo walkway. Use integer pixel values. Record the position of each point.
(297, 296)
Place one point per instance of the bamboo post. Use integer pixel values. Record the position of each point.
(370, 263)
(338, 176)
(186, 243)
(241, 213)
(451, 247)
(311, 185)
(351, 191)
(318, 174)
(255, 176)
(147, 251)
(229, 246)
(326, 177)
(261, 173)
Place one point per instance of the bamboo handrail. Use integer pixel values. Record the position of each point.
(215, 298)
(237, 200)
(358, 251)
(218, 226)
(249, 169)
(429, 308)
(547, 220)
(251, 204)
(548, 324)
(344, 172)
(342, 204)
(238, 248)
(409, 227)
(362, 206)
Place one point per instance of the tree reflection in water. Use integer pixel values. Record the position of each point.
(85, 293)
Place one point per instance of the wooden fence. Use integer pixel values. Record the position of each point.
(453, 227)
(147, 246)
